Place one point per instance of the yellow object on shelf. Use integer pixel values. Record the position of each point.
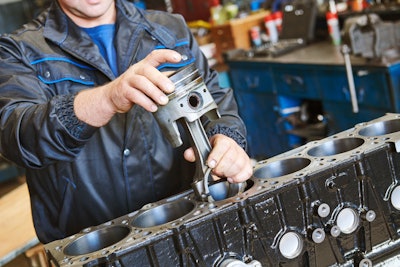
(199, 24)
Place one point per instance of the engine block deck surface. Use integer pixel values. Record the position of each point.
(331, 202)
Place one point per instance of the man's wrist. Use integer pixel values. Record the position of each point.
(64, 109)
(91, 106)
(235, 135)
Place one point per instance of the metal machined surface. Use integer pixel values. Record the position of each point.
(190, 101)
(330, 202)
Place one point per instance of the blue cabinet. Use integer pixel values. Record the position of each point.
(372, 87)
(256, 97)
(254, 79)
(373, 91)
(296, 81)
(316, 72)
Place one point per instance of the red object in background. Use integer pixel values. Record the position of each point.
(212, 3)
(272, 30)
(191, 10)
(357, 5)
(332, 21)
(278, 15)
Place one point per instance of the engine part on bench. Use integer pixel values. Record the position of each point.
(187, 104)
(370, 37)
(330, 202)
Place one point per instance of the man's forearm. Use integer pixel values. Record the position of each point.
(93, 106)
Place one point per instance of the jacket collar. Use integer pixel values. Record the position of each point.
(58, 26)
(60, 29)
(158, 31)
(64, 32)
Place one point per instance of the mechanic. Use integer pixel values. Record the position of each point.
(78, 86)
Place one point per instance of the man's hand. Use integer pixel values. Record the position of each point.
(226, 159)
(141, 84)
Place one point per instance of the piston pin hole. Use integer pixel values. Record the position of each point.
(195, 101)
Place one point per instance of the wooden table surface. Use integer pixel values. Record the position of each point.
(17, 233)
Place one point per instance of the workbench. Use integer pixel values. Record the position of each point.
(316, 72)
(17, 234)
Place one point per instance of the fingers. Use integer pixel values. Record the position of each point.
(148, 68)
(142, 91)
(157, 57)
(143, 83)
(189, 155)
(228, 159)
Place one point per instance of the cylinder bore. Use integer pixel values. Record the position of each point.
(335, 147)
(97, 240)
(381, 128)
(222, 189)
(163, 214)
(281, 167)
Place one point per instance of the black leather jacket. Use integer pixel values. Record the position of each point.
(78, 175)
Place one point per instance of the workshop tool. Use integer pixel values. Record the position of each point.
(350, 78)
(368, 36)
(187, 105)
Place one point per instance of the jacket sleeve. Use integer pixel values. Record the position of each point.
(34, 129)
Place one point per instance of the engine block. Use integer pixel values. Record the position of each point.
(331, 202)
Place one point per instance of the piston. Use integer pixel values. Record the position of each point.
(187, 105)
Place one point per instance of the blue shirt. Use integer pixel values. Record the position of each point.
(103, 37)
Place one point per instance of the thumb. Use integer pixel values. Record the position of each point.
(159, 56)
(189, 155)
